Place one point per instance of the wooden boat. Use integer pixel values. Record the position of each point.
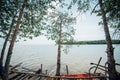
(84, 76)
(76, 75)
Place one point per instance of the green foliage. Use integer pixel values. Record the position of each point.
(53, 26)
(113, 14)
(33, 20)
(82, 5)
(8, 9)
(112, 9)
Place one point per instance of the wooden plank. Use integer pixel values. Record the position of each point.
(34, 78)
(27, 69)
(30, 73)
(20, 76)
(24, 77)
(31, 76)
(11, 76)
(117, 64)
(12, 68)
(67, 69)
(97, 65)
(28, 77)
(41, 68)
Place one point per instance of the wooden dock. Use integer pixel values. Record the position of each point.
(16, 75)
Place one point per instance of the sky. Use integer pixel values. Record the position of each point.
(87, 28)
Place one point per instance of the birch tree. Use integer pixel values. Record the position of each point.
(60, 28)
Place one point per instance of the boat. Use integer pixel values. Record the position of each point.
(85, 75)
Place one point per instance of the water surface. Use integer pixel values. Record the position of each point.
(78, 57)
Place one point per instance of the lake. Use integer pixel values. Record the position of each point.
(77, 57)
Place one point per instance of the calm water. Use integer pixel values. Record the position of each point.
(78, 58)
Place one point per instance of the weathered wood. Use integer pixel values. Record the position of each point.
(31, 76)
(98, 68)
(30, 73)
(24, 77)
(11, 76)
(20, 76)
(34, 78)
(28, 69)
(67, 69)
(117, 64)
(97, 65)
(46, 72)
(12, 68)
(28, 77)
(41, 68)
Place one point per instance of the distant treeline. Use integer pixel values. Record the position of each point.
(91, 42)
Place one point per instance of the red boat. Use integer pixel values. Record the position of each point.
(76, 75)
(83, 76)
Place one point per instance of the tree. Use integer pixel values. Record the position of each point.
(7, 11)
(5, 43)
(7, 16)
(31, 24)
(60, 29)
(14, 37)
(113, 15)
(106, 10)
(59, 52)
(32, 19)
(112, 9)
(110, 51)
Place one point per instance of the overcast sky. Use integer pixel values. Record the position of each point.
(86, 29)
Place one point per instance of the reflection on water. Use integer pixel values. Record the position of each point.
(78, 58)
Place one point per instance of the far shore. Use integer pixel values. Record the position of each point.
(96, 42)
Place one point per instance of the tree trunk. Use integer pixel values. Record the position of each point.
(59, 53)
(5, 43)
(110, 51)
(14, 38)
